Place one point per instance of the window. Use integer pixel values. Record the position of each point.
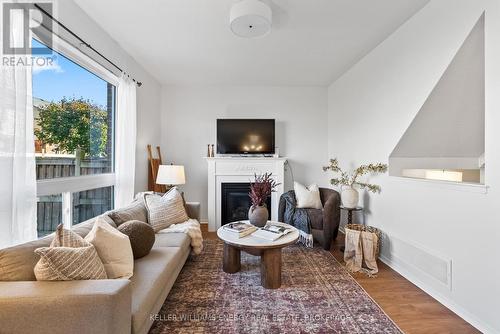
(49, 214)
(90, 203)
(73, 108)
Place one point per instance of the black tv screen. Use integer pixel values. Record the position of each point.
(245, 136)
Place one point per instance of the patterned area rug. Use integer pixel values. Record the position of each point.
(317, 296)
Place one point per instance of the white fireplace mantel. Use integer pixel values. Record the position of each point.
(240, 169)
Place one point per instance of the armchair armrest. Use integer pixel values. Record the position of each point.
(94, 306)
(193, 210)
(331, 212)
(282, 205)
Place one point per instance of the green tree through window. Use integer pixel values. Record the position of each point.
(74, 125)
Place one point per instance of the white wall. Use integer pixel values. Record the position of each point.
(452, 118)
(189, 123)
(148, 95)
(371, 106)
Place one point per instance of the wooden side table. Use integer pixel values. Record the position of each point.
(350, 211)
(349, 217)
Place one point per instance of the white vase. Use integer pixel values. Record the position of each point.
(350, 197)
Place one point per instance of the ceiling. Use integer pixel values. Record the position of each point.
(188, 42)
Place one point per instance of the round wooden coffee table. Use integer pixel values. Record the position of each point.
(269, 252)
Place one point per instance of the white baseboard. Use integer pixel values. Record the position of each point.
(406, 272)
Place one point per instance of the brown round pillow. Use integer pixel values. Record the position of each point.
(141, 235)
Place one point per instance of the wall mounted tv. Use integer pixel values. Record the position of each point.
(245, 136)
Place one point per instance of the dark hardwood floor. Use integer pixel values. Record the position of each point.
(414, 311)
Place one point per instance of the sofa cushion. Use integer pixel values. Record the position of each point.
(141, 236)
(17, 262)
(172, 240)
(113, 248)
(307, 197)
(67, 238)
(134, 211)
(68, 258)
(151, 274)
(165, 210)
(83, 228)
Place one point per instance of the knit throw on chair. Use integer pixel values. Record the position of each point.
(298, 218)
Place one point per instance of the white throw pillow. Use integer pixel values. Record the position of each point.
(165, 210)
(307, 197)
(114, 249)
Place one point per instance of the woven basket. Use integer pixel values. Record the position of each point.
(371, 229)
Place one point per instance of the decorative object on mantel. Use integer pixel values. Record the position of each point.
(210, 151)
(348, 181)
(260, 190)
(154, 163)
(362, 247)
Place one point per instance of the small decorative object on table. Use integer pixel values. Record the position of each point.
(260, 190)
(348, 181)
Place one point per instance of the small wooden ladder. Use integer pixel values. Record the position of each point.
(154, 164)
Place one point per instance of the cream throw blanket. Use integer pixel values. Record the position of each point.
(192, 228)
(360, 251)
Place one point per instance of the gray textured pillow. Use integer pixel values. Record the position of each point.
(165, 210)
(134, 211)
(141, 236)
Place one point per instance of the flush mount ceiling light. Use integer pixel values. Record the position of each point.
(250, 18)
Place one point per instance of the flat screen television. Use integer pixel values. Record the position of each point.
(245, 136)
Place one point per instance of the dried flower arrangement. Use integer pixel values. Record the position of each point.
(261, 189)
(351, 179)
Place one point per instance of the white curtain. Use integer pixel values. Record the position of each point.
(17, 158)
(125, 143)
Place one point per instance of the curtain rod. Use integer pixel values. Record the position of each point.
(139, 84)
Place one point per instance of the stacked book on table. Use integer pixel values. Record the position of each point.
(241, 229)
(269, 232)
(272, 231)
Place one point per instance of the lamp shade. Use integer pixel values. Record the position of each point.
(171, 175)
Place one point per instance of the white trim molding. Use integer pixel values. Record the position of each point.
(74, 184)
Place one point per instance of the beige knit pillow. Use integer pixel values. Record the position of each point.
(165, 210)
(68, 258)
(113, 248)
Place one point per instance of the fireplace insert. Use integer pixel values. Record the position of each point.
(235, 202)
